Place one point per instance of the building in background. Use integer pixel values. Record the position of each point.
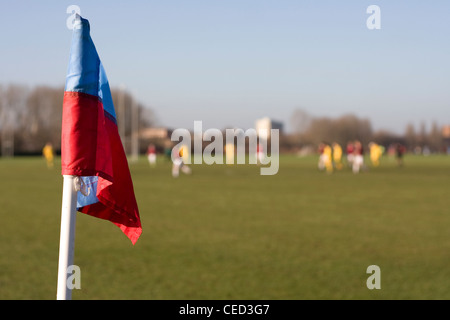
(155, 133)
(264, 125)
(446, 137)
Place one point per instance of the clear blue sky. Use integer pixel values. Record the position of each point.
(229, 62)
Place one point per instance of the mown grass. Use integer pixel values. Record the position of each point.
(226, 232)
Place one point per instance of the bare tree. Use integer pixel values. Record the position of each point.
(422, 136)
(41, 121)
(124, 101)
(411, 136)
(14, 98)
(435, 138)
(300, 121)
(341, 130)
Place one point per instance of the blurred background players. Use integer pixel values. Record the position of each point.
(399, 152)
(376, 152)
(178, 163)
(151, 155)
(229, 153)
(349, 151)
(260, 153)
(337, 156)
(325, 158)
(358, 157)
(48, 154)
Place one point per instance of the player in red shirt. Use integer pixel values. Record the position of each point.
(399, 151)
(349, 151)
(151, 154)
(358, 157)
(260, 153)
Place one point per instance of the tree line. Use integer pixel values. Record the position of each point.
(310, 131)
(31, 117)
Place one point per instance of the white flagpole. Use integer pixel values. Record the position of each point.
(67, 236)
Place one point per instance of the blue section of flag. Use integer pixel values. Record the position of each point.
(86, 73)
(105, 94)
(84, 64)
(91, 188)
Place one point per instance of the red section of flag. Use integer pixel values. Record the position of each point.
(91, 146)
(85, 147)
(117, 201)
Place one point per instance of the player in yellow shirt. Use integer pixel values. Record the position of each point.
(229, 153)
(337, 156)
(325, 159)
(47, 151)
(375, 153)
(179, 158)
(184, 153)
(328, 151)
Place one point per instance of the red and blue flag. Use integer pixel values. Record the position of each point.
(91, 147)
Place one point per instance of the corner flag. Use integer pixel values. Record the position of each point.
(90, 144)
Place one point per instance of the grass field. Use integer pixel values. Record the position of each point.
(226, 232)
